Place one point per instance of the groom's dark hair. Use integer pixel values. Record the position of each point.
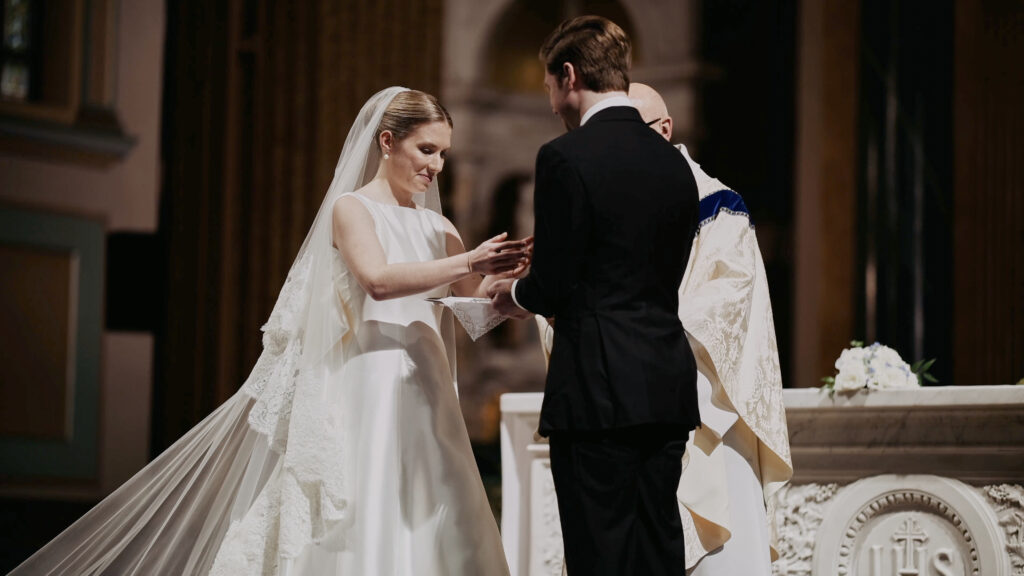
(596, 47)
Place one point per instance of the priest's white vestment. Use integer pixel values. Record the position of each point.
(740, 456)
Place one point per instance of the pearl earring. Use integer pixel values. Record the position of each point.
(386, 156)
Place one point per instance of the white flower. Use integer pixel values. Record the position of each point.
(852, 376)
(891, 377)
(849, 357)
(888, 355)
(876, 363)
(876, 367)
(912, 381)
(877, 372)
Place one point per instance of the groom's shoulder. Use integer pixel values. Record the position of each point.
(558, 150)
(572, 145)
(563, 143)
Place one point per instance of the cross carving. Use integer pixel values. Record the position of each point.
(910, 536)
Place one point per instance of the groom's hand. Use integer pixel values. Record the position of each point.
(501, 297)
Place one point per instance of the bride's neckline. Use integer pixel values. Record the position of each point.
(378, 202)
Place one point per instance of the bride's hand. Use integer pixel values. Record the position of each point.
(520, 270)
(498, 255)
(526, 261)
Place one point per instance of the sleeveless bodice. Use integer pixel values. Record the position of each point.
(406, 235)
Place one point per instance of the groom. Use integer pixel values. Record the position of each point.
(615, 205)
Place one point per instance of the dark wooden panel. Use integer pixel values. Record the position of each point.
(988, 172)
(905, 179)
(36, 329)
(53, 289)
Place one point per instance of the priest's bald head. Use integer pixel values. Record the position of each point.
(652, 108)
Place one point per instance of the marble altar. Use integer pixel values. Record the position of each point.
(915, 482)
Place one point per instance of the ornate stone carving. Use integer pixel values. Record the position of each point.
(799, 512)
(951, 445)
(910, 510)
(547, 528)
(1008, 502)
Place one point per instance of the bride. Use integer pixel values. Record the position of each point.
(345, 451)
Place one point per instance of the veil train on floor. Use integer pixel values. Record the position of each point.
(173, 515)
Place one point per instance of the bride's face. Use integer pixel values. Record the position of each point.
(418, 158)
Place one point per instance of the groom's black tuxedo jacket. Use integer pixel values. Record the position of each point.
(616, 209)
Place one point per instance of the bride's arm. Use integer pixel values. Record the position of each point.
(476, 285)
(356, 240)
(468, 286)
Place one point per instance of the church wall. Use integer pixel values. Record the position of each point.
(112, 367)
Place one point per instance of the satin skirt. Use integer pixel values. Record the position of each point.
(417, 505)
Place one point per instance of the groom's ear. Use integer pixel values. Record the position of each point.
(569, 75)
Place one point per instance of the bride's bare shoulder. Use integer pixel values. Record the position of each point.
(449, 228)
(357, 199)
(350, 215)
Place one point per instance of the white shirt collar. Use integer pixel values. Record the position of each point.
(610, 102)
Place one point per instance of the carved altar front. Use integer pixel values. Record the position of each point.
(920, 482)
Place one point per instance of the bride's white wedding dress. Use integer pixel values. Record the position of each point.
(415, 502)
(343, 454)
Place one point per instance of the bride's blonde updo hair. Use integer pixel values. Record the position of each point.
(408, 110)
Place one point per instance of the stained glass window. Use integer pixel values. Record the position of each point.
(18, 55)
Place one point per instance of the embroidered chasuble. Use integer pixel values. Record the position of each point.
(726, 310)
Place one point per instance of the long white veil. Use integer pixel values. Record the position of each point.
(259, 457)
